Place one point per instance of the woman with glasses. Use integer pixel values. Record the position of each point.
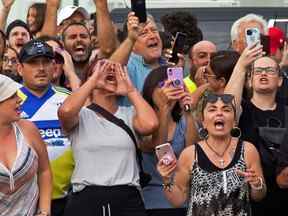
(176, 127)
(10, 64)
(218, 174)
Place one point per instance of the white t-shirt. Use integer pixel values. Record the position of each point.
(104, 153)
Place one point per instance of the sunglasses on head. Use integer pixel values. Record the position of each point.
(213, 98)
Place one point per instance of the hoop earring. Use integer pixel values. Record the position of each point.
(236, 132)
(203, 133)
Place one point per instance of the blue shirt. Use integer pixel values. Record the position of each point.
(138, 70)
(154, 197)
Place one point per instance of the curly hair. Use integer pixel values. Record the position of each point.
(185, 22)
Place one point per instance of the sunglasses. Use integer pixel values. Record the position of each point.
(213, 98)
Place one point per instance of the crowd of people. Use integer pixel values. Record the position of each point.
(84, 104)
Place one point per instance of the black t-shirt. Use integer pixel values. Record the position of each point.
(253, 117)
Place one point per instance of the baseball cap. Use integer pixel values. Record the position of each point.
(35, 48)
(68, 11)
(277, 39)
(8, 87)
(17, 23)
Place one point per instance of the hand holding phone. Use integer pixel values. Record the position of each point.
(175, 74)
(165, 153)
(178, 47)
(139, 7)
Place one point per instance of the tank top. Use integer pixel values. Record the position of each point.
(215, 191)
(18, 186)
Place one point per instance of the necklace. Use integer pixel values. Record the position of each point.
(221, 160)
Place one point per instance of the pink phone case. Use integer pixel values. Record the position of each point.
(165, 153)
(176, 75)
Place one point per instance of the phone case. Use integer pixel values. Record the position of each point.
(252, 36)
(178, 47)
(176, 75)
(165, 153)
(139, 7)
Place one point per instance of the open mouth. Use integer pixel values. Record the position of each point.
(153, 45)
(219, 124)
(263, 80)
(110, 78)
(80, 50)
(19, 43)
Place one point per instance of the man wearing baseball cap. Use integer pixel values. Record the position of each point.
(69, 14)
(40, 105)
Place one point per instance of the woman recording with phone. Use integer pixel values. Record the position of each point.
(106, 176)
(168, 98)
(218, 174)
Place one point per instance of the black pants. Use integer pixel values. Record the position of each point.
(166, 212)
(106, 201)
(58, 206)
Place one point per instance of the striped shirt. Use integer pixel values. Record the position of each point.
(18, 187)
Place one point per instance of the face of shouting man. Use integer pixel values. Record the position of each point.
(77, 42)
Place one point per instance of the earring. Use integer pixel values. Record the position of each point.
(203, 133)
(236, 132)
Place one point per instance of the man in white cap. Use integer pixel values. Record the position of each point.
(69, 14)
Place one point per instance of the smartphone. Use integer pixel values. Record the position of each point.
(265, 42)
(252, 36)
(165, 153)
(178, 47)
(139, 7)
(175, 74)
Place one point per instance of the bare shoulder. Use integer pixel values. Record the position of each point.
(187, 156)
(249, 148)
(250, 153)
(31, 132)
(28, 127)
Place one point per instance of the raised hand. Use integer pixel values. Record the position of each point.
(200, 78)
(133, 26)
(166, 171)
(186, 101)
(7, 3)
(168, 96)
(284, 60)
(55, 3)
(250, 54)
(124, 84)
(99, 73)
(250, 176)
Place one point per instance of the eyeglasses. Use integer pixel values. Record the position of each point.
(8, 60)
(267, 70)
(225, 98)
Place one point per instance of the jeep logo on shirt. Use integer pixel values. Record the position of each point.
(50, 133)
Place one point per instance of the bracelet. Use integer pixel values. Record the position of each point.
(43, 213)
(168, 186)
(260, 187)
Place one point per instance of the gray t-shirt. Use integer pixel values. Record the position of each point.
(104, 153)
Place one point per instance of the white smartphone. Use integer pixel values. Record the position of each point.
(252, 36)
(165, 153)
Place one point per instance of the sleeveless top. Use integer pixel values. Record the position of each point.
(215, 191)
(18, 187)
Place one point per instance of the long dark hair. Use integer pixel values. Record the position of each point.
(40, 15)
(152, 81)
